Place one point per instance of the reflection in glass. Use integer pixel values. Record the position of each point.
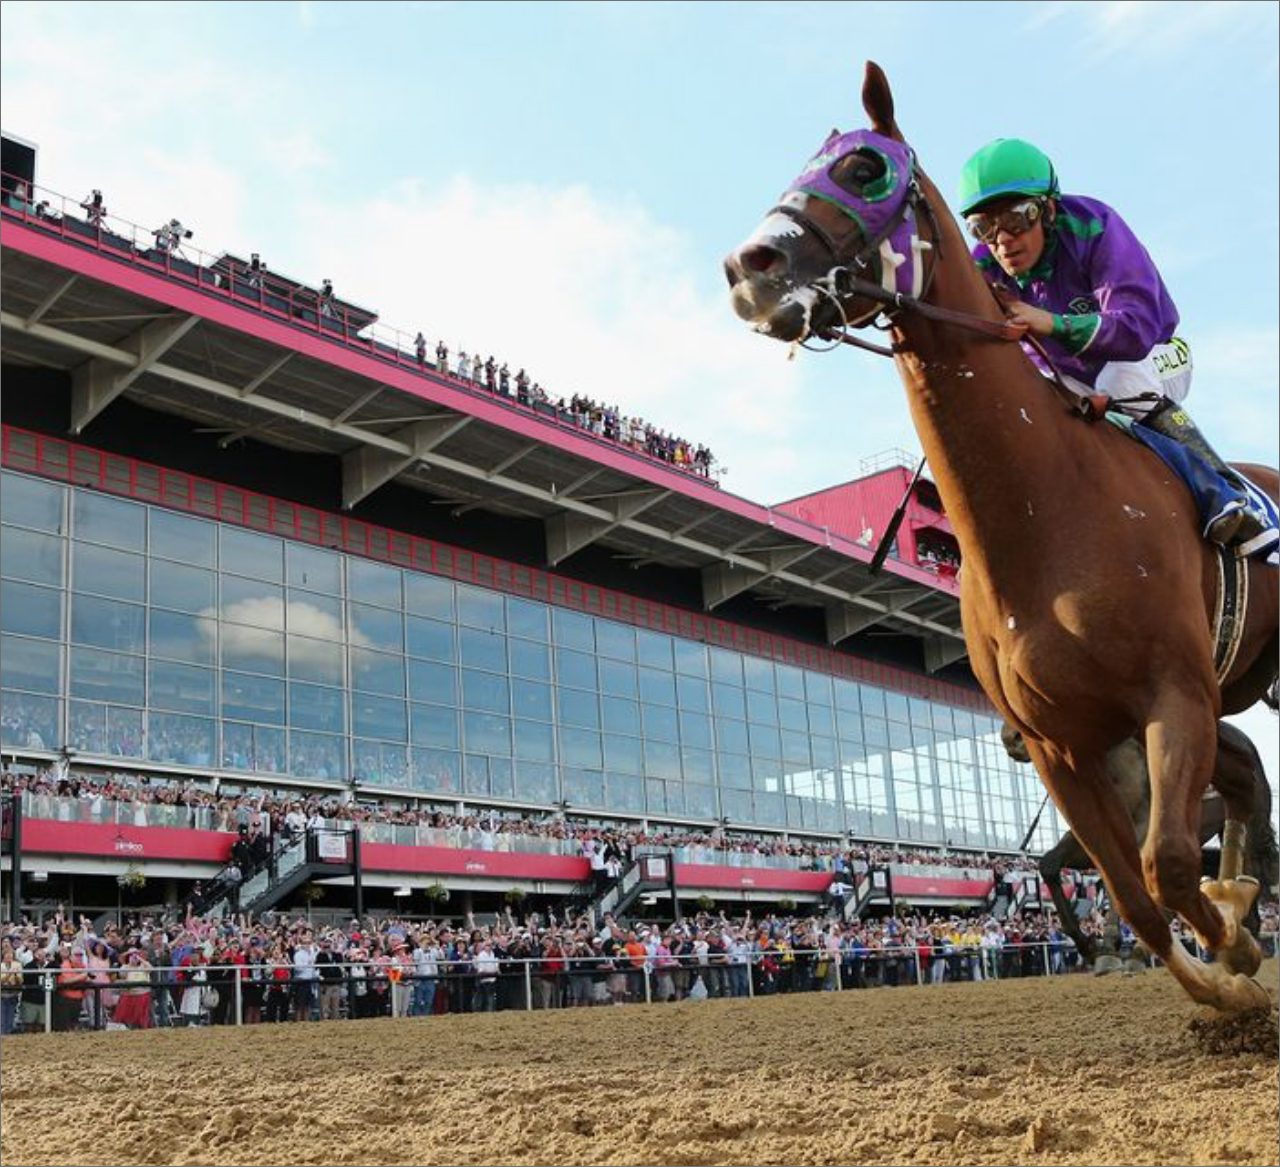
(106, 572)
(181, 538)
(31, 556)
(30, 610)
(248, 553)
(29, 502)
(107, 624)
(373, 583)
(179, 740)
(188, 589)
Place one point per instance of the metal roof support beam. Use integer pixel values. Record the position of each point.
(92, 390)
(365, 469)
(568, 532)
(262, 378)
(512, 459)
(51, 299)
(722, 581)
(940, 651)
(297, 416)
(577, 483)
(844, 621)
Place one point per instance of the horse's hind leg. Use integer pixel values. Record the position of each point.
(1085, 796)
(1182, 745)
(1235, 777)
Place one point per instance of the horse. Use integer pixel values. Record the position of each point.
(1087, 592)
(1127, 769)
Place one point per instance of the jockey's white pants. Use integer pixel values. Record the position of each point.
(1165, 370)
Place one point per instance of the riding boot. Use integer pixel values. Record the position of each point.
(1239, 520)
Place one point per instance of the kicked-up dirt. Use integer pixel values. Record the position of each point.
(1116, 1070)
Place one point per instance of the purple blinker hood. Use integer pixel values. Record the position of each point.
(879, 211)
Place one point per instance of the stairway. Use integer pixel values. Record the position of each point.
(315, 854)
(873, 885)
(650, 871)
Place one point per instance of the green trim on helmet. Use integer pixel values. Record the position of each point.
(1007, 166)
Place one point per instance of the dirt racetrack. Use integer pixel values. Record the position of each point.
(1075, 1070)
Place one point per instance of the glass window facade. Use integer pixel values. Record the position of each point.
(132, 632)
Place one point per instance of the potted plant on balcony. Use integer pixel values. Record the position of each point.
(515, 896)
(705, 903)
(311, 895)
(786, 904)
(436, 893)
(132, 878)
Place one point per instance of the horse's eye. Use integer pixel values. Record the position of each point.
(856, 170)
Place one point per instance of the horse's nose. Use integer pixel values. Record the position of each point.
(754, 259)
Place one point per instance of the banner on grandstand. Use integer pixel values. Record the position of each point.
(333, 846)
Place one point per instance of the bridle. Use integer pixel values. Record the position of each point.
(850, 277)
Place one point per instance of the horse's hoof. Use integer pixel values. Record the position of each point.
(1242, 993)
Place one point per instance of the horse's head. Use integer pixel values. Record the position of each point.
(843, 240)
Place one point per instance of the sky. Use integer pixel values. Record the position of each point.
(557, 184)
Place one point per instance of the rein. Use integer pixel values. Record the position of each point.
(842, 280)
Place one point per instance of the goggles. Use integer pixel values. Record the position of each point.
(1014, 220)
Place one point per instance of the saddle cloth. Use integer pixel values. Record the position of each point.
(1213, 494)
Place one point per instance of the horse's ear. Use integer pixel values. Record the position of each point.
(877, 100)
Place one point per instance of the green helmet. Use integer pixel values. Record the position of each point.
(1007, 166)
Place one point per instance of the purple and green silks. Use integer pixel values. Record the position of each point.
(1097, 276)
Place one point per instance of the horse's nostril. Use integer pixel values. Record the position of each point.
(759, 259)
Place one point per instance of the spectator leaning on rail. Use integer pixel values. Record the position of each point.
(1073, 274)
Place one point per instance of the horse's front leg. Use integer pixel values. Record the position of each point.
(1182, 746)
(1084, 794)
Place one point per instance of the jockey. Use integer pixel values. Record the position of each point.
(1073, 274)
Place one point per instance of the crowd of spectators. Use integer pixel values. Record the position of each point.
(142, 800)
(149, 971)
(605, 421)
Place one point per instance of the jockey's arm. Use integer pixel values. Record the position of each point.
(1133, 306)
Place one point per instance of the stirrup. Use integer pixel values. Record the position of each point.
(1236, 527)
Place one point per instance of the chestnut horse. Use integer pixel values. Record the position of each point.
(1087, 593)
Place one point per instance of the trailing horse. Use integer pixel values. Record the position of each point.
(1087, 592)
(1237, 761)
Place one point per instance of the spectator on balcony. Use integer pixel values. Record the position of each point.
(491, 374)
(504, 380)
(420, 349)
(95, 209)
(442, 357)
(253, 276)
(326, 298)
(522, 387)
(464, 366)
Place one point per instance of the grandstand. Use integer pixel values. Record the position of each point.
(255, 545)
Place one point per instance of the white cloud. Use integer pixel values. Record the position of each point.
(1158, 28)
(590, 296)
